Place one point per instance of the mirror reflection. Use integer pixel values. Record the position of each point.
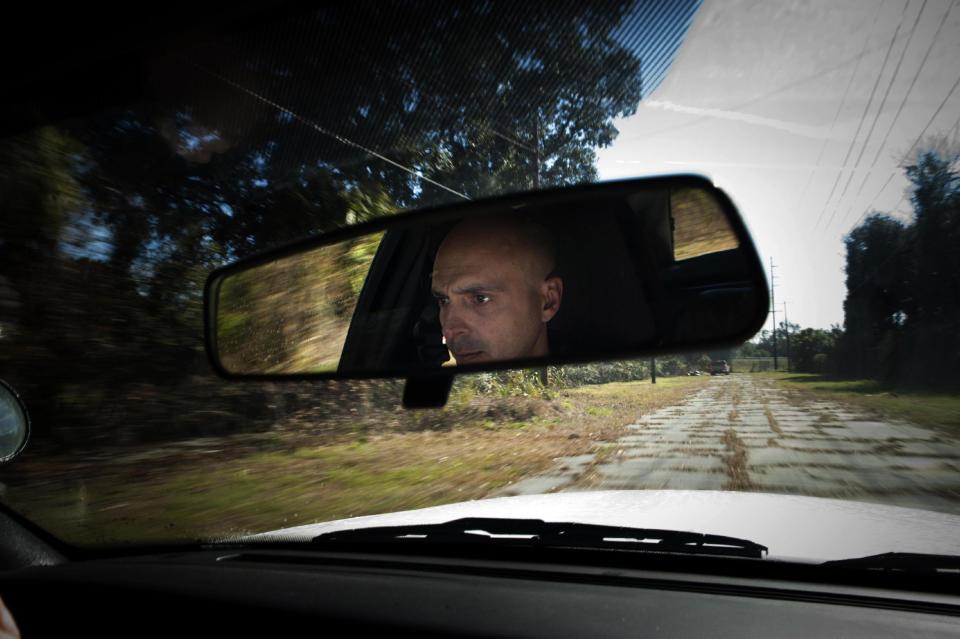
(560, 280)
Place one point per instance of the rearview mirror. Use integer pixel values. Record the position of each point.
(611, 270)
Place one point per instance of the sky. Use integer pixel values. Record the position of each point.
(803, 113)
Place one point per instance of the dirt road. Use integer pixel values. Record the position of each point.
(743, 433)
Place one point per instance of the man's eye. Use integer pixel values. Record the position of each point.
(442, 301)
(481, 299)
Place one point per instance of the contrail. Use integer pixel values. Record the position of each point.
(816, 132)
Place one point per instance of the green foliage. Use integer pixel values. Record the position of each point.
(604, 372)
(763, 344)
(754, 349)
(357, 258)
(940, 411)
(821, 363)
(110, 223)
(515, 383)
(292, 315)
(812, 350)
(902, 310)
(527, 383)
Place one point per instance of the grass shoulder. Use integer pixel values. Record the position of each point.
(938, 410)
(221, 490)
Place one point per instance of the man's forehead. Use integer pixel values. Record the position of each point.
(484, 250)
(456, 272)
(474, 253)
(467, 244)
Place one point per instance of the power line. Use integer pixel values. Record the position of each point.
(769, 94)
(836, 116)
(863, 117)
(932, 118)
(954, 130)
(910, 150)
(897, 251)
(508, 138)
(907, 95)
(900, 249)
(883, 101)
(319, 129)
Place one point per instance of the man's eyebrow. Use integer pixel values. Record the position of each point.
(478, 288)
(470, 288)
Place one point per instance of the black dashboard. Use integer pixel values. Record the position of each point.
(244, 592)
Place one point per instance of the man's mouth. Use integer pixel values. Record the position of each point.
(465, 357)
(467, 349)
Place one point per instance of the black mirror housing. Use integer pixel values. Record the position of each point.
(647, 266)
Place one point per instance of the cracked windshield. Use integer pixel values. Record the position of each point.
(833, 127)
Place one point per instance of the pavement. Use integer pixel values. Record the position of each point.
(743, 433)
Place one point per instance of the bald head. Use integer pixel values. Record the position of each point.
(493, 281)
(519, 240)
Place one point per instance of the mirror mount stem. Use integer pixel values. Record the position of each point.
(427, 390)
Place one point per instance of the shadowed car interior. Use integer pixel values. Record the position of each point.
(728, 406)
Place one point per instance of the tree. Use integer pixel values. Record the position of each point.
(258, 144)
(110, 222)
(877, 267)
(932, 310)
(753, 349)
(902, 310)
(813, 349)
(762, 345)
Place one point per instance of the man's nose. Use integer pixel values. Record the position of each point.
(452, 322)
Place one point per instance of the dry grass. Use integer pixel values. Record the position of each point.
(937, 410)
(774, 424)
(735, 462)
(234, 485)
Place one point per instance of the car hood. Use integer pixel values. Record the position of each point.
(792, 527)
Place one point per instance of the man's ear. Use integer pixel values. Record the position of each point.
(551, 292)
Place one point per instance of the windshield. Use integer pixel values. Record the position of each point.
(833, 127)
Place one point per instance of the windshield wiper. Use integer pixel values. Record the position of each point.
(538, 533)
(903, 562)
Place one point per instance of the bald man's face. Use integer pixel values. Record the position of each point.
(494, 294)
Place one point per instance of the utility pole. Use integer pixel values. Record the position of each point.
(653, 370)
(786, 333)
(773, 305)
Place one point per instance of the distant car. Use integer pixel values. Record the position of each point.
(719, 367)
